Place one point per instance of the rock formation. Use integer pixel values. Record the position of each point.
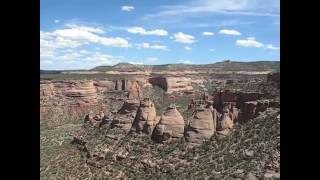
(94, 119)
(126, 115)
(172, 84)
(202, 125)
(251, 109)
(134, 91)
(78, 96)
(145, 120)
(225, 123)
(171, 125)
(46, 89)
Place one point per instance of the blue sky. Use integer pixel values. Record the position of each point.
(82, 34)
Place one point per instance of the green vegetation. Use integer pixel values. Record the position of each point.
(116, 155)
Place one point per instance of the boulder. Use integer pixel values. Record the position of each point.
(171, 125)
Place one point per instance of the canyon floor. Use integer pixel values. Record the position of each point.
(218, 121)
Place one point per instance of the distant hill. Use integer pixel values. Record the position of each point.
(50, 72)
(222, 66)
(219, 66)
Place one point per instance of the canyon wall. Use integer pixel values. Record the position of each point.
(78, 96)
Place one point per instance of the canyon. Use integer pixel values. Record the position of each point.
(162, 122)
(77, 91)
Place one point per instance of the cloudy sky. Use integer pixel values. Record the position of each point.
(82, 34)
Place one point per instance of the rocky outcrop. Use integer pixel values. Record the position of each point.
(234, 113)
(134, 90)
(171, 125)
(236, 97)
(251, 109)
(82, 92)
(202, 126)
(177, 84)
(225, 123)
(172, 84)
(274, 78)
(46, 89)
(126, 115)
(94, 119)
(146, 117)
(79, 96)
(103, 85)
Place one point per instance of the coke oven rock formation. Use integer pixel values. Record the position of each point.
(171, 125)
(202, 125)
(146, 117)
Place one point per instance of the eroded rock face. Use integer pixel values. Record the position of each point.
(202, 125)
(176, 84)
(235, 97)
(103, 85)
(234, 114)
(145, 120)
(225, 123)
(46, 89)
(79, 96)
(126, 115)
(251, 109)
(171, 125)
(134, 90)
(172, 84)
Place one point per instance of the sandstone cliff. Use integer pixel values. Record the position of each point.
(172, 84)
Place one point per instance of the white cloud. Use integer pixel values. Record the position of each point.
(183, 38)
(234, 7)
(56, 21)
(271, 47)
(187, 48)
(127, 8)
(75, 36)
(142, 31)
(152, 59)
(74, 59)
(185, 61)
(149, 46)
(212, 50)
(230, 32)
(208, 33)
(83, 52)
(249, 42)
(62, 47)
(47, 62)
(86, 28)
